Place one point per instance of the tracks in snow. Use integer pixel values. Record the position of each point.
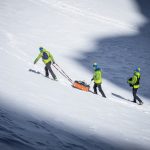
(69, 9)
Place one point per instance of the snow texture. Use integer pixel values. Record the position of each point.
(37, 113)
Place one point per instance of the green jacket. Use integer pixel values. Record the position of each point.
(46, 57)
(97, 77)
(135, 80)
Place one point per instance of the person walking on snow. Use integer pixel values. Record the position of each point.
(48, 60)
(135, 84)
(97, 77)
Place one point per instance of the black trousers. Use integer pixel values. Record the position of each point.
(135, 97)
(100, 89)
(48, 68)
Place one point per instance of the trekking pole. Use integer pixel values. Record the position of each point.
(63, 74)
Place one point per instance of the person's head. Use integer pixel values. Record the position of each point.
(137, 69)
(41, 48)
(95, 66)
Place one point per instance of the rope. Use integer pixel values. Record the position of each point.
(63, 73)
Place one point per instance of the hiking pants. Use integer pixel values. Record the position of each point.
(100, 89)
(135, 97)
(48, 68)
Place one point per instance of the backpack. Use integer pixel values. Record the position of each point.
(130, 79)
(45, 55)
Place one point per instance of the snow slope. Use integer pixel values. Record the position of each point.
(39, 113)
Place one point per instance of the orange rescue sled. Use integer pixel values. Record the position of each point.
(81, 86)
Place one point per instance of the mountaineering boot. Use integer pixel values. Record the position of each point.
(47, 76)
(95, 91)
(141, 103)
(55, 78)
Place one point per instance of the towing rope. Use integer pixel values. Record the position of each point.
(61, 71)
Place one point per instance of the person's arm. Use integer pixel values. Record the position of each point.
(39, 56)
(93, 77)
(133, 81)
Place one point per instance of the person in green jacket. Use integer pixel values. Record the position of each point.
(48, 60)
(97, 77)
(135, 84)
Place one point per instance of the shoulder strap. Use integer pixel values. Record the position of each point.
(138, 80)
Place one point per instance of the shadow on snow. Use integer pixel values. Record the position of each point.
(118, 56)
(21, 131)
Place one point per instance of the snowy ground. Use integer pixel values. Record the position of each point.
(41, 114)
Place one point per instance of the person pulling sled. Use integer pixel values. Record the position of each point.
(97, 77)
(48, 60)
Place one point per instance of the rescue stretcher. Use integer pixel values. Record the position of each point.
(81, 85)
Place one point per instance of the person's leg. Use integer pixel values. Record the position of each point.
(48, 65)
(134, 95)
(95, 88)
(46, 72)
(137, 98)
(101, 91)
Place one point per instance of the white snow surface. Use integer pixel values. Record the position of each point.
(37, 113)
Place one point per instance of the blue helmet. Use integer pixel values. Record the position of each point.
(137, 69)
(41, 48)
(95, 66)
